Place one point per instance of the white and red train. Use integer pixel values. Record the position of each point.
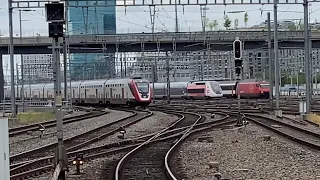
(203, 90)
(188, 90)
(126, 91)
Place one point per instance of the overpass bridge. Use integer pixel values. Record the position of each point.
(147, 42)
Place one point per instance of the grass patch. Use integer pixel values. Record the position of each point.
(34, 117)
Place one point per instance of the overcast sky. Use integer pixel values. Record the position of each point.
(137, 19)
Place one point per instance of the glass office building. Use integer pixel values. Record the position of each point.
(91, 20)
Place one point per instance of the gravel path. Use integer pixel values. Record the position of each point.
(70, 130)
(247, 153)
(149, 125)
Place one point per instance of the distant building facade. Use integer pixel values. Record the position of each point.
(219, 65)
(92, 20)
(37, 68)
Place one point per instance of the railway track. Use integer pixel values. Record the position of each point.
(146, 161)
(35, 127)
(21, 162)
(36, 167)
(173, 135)
(293, 132)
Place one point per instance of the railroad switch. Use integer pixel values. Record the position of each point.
(41, 129)
(218, 176)
(78, 161)
(213, 115)
(122, 133)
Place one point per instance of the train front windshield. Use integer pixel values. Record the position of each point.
(143, 87)
(216, 88)
(264, 85)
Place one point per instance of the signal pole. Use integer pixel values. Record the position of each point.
(237, 52)
(271, 67)
(55, 17)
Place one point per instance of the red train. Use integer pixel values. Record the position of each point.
(248, 89)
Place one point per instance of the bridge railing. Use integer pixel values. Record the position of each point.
(163, 37)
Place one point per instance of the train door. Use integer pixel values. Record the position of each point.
(122, 90)
(85, 95)
(97, 98)
(111, 94)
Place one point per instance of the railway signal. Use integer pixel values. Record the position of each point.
(237, 52)
(78, 161)
(237, 49)
(55, 16)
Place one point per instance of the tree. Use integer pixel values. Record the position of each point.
(215, 24)
(236, 23)
(227, 22)
(209, 24)
(246, 18)
(300, 26)
(292, 27)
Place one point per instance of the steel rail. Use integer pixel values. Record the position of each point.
(118, 146)
(123, 159)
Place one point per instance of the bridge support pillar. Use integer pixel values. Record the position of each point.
(1, 79)
(2, 82)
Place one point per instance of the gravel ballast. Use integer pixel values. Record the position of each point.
(100, 168)
(246, 153)
(70, 130)
(149, 125)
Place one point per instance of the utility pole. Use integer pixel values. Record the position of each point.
(58, 101)
(17, 79)
(203, 12)
(65, 68)
(22, 64)
(271, 79)
(153, 79)
(307, 55)
(152, 10)
(168, 78)
(276, 53)
(13, 97)
(65, 53)
(176, 13)
(156, 67)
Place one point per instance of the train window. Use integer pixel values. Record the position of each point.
(195, 90)
(200, 83)
(230, 87)
(264, 85)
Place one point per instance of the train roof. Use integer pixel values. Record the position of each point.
(192, 82)
(93, 82)
(253, 80)
(227, 82)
